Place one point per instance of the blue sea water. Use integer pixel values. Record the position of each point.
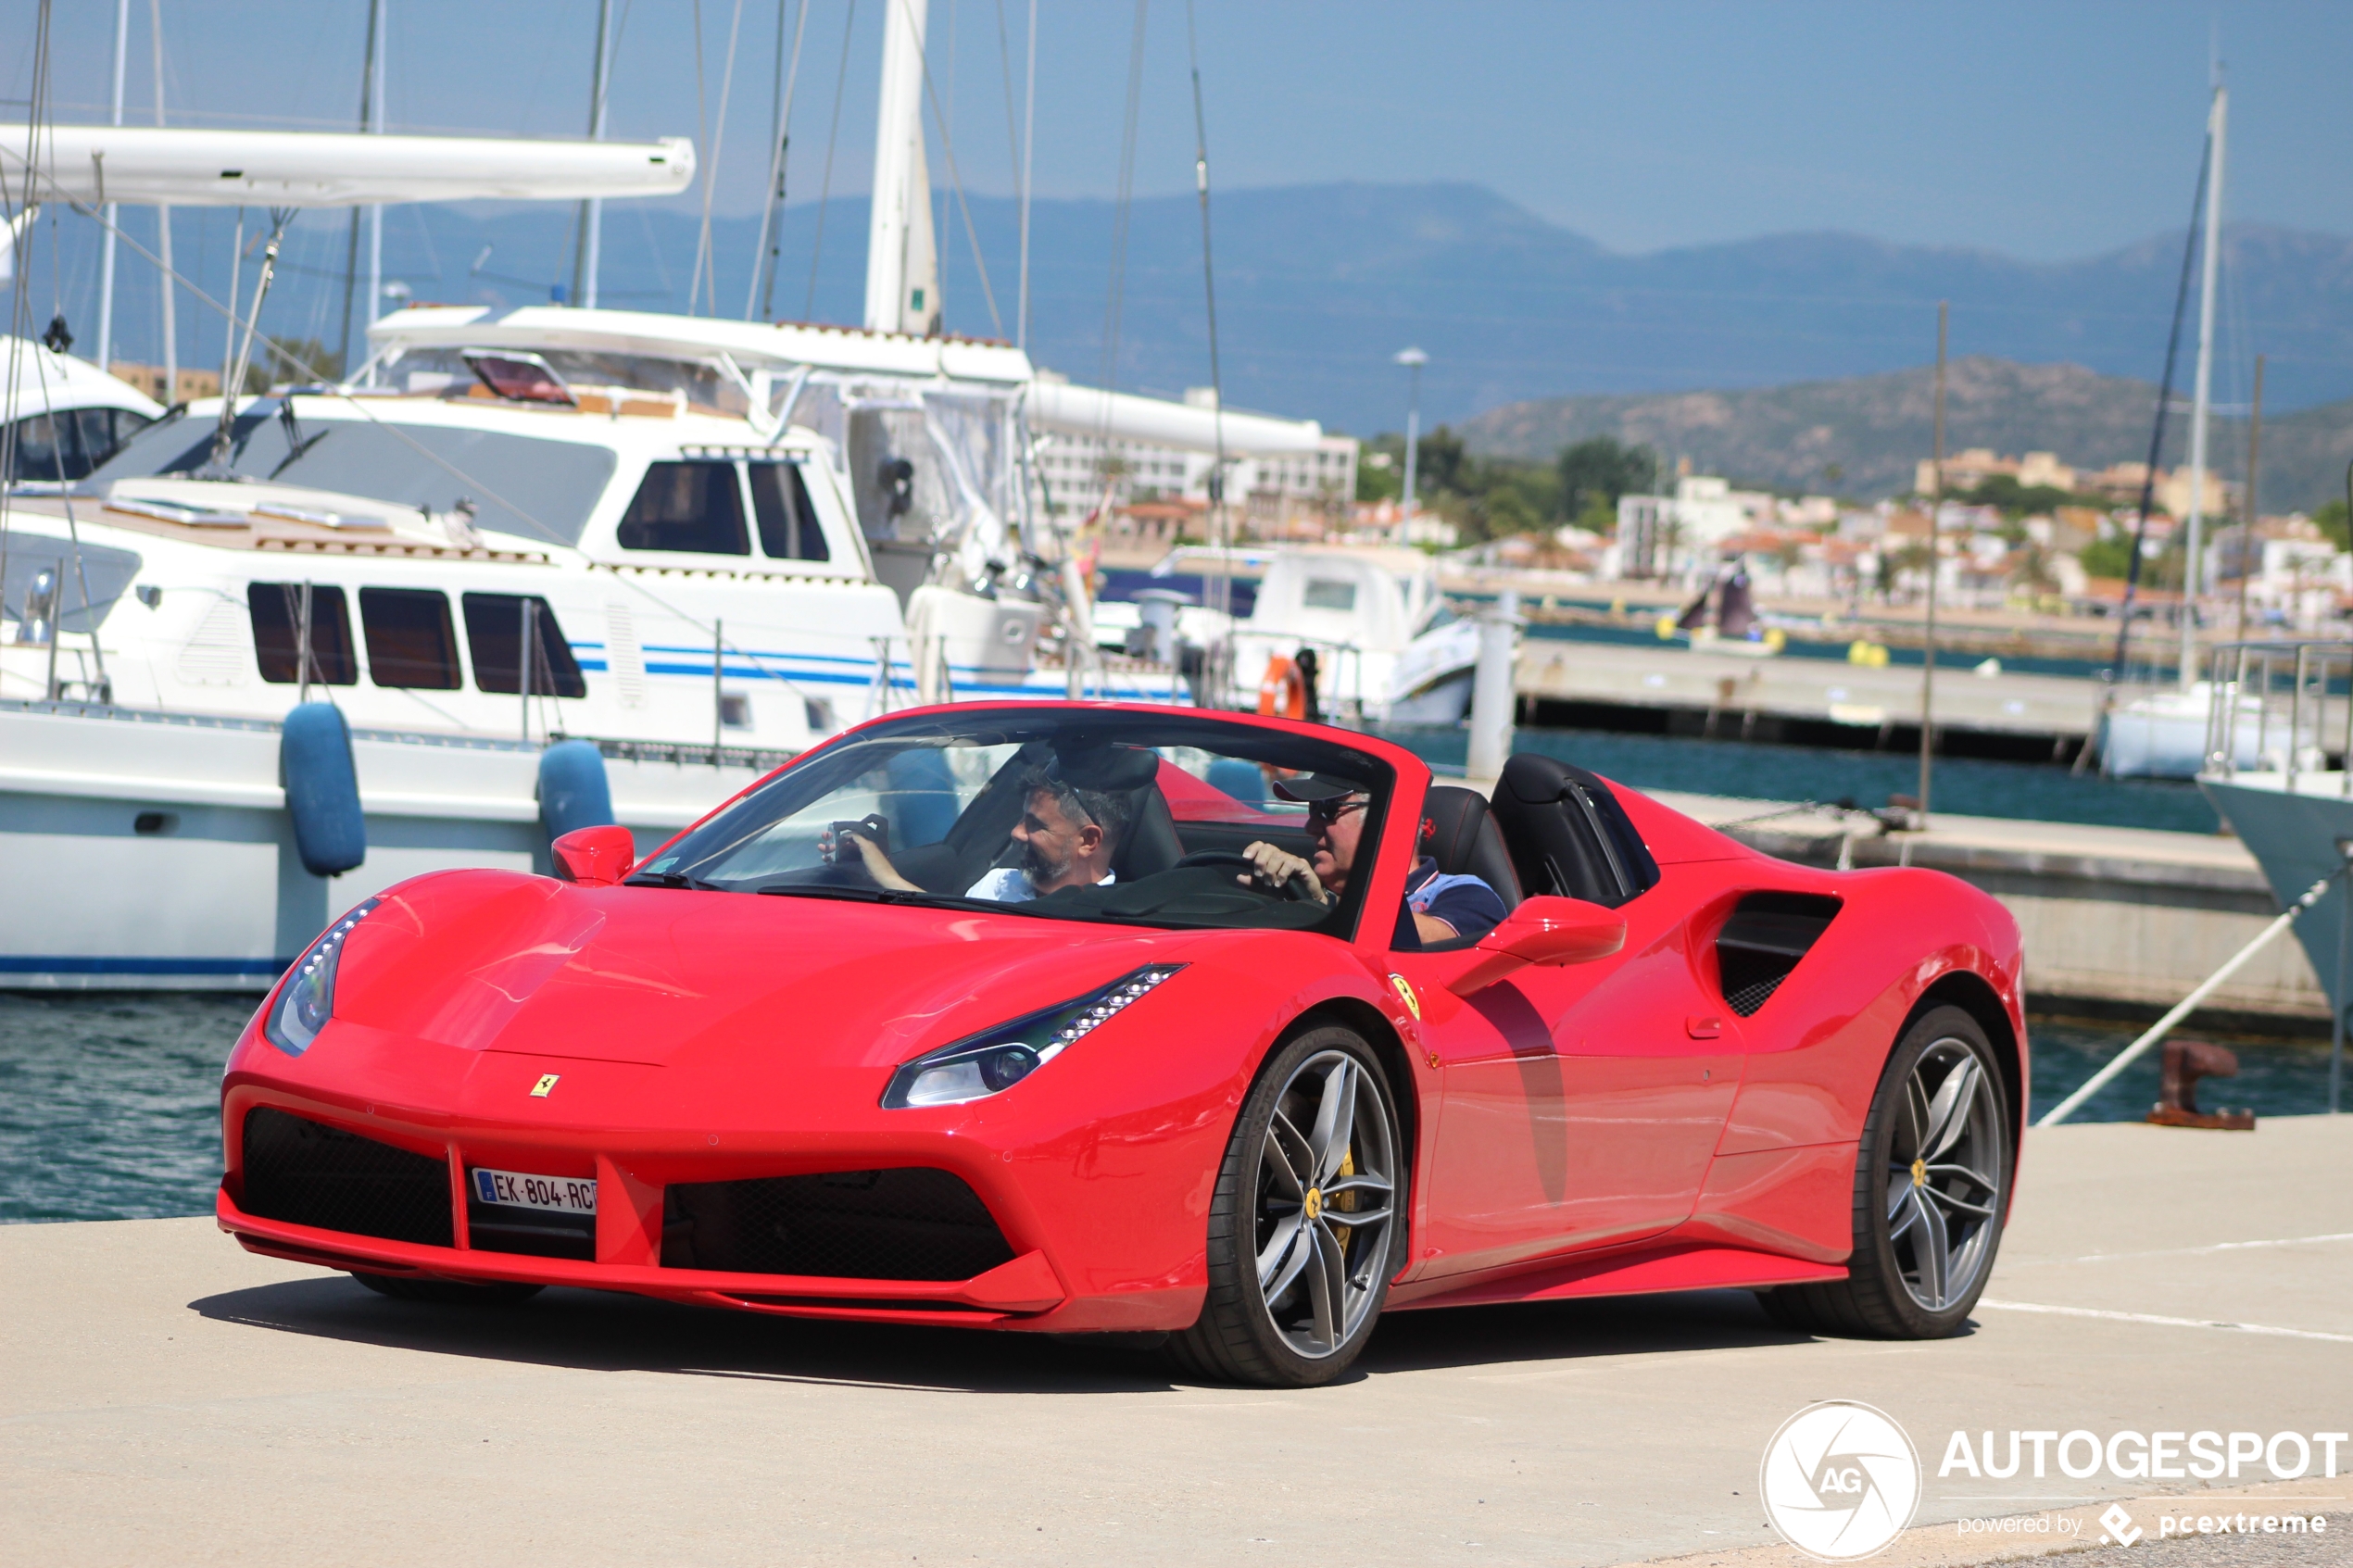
(110, 1105)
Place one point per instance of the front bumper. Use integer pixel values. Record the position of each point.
(1103, 1223)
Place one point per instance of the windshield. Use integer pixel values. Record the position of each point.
(428, 467)
(1064, 813)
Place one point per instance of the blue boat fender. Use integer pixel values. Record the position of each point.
(323, 789)
(574, 791)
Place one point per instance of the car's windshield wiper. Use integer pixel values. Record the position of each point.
(902, 895)
(671, 879)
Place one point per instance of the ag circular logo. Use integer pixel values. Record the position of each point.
(1839, 1480)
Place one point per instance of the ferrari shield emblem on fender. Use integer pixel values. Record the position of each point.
(1405, 994)
(547, 1081)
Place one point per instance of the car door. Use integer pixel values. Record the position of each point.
(1580, 1105)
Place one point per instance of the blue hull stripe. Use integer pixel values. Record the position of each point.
(38, 964)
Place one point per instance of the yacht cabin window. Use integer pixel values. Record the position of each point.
(68, 444)
(1322, 593)
(494, 631)
(410, 640)
(696, 508)
(276, 608)
(788, 526)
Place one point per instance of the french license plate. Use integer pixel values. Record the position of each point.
(517, 1190)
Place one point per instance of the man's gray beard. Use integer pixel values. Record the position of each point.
(1039, 871)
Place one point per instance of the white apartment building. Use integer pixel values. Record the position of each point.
(1073, 467)
(1659, 534)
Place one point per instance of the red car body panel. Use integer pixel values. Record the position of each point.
(1606, 1127)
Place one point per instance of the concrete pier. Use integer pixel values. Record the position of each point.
(1817, 700)
(167, 1398)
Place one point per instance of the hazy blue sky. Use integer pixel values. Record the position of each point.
(2043, 129)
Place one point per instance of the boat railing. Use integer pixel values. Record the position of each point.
(2296, 697)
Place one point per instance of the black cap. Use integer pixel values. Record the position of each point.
(1316, 786)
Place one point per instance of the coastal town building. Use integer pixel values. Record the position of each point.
(1285, 496)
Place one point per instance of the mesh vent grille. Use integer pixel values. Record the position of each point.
(305, 1173)
(903, 1224)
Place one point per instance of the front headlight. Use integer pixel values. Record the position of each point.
(308, 998)
(995, 1059)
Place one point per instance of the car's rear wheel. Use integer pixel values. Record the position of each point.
(448, 1292)
(1306, 1222)
(1931, 1183)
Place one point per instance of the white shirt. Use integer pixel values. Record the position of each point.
(1007, 886)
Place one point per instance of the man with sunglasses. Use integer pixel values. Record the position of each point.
(1439, 905)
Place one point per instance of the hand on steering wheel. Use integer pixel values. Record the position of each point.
(1274, 868)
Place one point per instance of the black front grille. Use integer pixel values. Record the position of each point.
(305, 1173)
(904, 1223)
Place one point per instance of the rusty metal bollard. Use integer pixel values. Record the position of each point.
(2185, 1062)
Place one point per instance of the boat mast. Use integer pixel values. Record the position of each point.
(903, 263)
(163, 235)
(592, 212)
(375, 211)
(2217, 119)
(114, 211)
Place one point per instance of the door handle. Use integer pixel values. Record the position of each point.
(1706, 1028)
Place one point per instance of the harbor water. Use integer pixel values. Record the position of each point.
(109, 1103)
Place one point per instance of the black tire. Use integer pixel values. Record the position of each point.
(1926, 1222)
(447, 1292)
(1331, 1285)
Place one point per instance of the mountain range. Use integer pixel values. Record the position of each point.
(1319, 287)
(1862, 437)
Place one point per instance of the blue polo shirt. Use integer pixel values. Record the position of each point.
(1467, 903)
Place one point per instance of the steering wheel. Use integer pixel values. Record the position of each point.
(1301, 887)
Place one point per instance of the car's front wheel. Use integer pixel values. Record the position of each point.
(1931, 1184)
(1306, 1221)
(448, 1292)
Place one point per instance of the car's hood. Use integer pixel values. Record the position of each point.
(494, 960)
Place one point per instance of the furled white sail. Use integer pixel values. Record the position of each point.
(188, 166)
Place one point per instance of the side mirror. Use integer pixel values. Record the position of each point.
(596, 857)
(1542, 931)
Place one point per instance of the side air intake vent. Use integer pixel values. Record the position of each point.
(904, 1223)
(308, 1173)
(1767, 933)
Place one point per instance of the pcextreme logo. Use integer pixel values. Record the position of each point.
(1839, 1480)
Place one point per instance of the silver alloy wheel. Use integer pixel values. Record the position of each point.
(1944, 1163)
(1326, 1175)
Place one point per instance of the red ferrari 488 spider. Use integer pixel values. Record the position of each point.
(1079, 1017)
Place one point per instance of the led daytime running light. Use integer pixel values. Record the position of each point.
(307, 998)
(993, 1061)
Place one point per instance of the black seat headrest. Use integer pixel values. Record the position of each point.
(1463, 839)
(1568, 833)
(1151, 844)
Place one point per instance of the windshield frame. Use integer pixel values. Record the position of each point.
(836, 764)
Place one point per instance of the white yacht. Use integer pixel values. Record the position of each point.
(1387, 647)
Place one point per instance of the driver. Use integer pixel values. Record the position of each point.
(1442, 907)
(1067, 836)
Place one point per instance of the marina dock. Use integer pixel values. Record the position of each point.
(1808, 702)
(170, 1398)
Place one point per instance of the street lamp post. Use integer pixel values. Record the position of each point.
(1413, 359)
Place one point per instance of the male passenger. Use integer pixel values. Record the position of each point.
(1441, 907)
(1067, 836)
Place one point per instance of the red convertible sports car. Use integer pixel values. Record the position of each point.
(1140, 1020)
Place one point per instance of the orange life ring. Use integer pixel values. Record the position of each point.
(1282, 691)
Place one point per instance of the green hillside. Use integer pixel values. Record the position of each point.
(1861, 436)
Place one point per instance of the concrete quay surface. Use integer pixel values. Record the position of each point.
(170, 1398)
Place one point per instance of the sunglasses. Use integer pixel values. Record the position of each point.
(1333, 810)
